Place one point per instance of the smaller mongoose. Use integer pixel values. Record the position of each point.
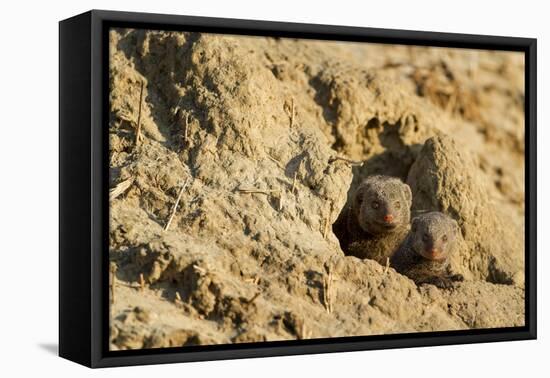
(377, 219)
(425, 254)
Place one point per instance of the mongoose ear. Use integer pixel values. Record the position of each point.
(408, 194)
(361, 191)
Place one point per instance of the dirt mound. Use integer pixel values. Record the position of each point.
(445, 179)
(248, 133)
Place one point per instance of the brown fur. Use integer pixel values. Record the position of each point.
(364, 230)
(425, 253)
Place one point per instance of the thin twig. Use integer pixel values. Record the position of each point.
(292, 113)
(254, 280)
(330, 292)
(281, 200)
(326, 294)
(141, 282)
(175, 208)
(279, 164)
(385, 272)
(258, 191)
(327, 286)
(177, 107)
(267, 192)
(254, 297)
(120, 188)
(113, 282)
(138, 132)
(186, 135)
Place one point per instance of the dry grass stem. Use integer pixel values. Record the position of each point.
(327, 289)
(292, 113)
(120, 188)
(279, 164)
(178, 297)
(175, 208)
(138, 132)
(113, 281)
(258, 191)
(141, 282)
(254, 297)
(186, 133)
(385, 272)
(253, 280)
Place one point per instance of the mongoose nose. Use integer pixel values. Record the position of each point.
(388, 218)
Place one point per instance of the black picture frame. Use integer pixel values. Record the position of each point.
(83, 182)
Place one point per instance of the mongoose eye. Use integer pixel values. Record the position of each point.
(425, 237)
(398, 205)
(444, 238)
(375, 205)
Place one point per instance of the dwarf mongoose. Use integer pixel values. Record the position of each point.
(424, 255)
(378, 218)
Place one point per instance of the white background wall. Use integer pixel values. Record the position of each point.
(29, 189)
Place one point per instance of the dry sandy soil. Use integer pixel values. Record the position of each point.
(249, 133)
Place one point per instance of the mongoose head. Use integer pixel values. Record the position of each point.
(433, 235)
(382, 204)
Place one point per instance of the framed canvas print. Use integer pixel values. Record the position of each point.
(234, 188)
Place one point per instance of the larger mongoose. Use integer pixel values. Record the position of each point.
(377, 219)
(424, 255)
